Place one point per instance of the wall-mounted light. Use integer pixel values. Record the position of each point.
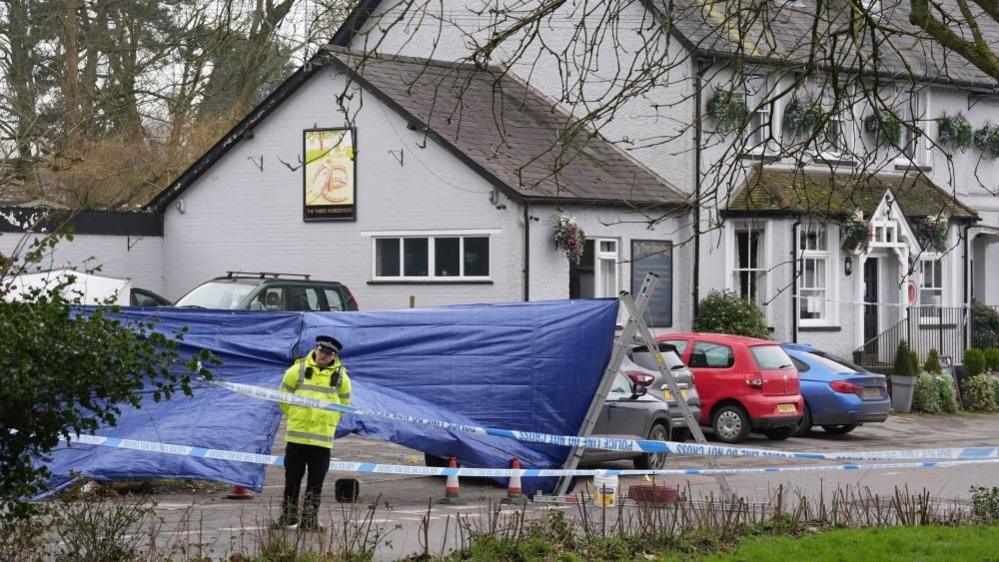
(848, 265)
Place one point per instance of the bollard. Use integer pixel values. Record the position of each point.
(452, 489)
(239, 493)
(514, 493)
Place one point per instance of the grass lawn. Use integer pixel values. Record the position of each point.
(911, 544)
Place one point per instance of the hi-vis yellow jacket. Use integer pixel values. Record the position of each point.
(312, 426)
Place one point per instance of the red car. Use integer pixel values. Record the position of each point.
(745, 384)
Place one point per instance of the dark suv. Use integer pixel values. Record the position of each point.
(241, 290)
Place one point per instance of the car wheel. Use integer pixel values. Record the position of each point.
(731, 424)
(805, 425)
(654, 461)
(434, 461)
(780, 433)
(840, 429)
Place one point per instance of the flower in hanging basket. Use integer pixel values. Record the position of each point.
(570, 238)
(885, 127)
(954, 131)
(986, 139)
(802, 117)
(854, 232)
(932, 232)
(728, 108)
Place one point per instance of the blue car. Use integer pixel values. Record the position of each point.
(839, 396)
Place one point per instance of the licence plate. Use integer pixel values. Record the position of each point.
(870, 393)
(786, 409)
(667, 395)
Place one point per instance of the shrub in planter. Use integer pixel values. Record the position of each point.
(915, 361)
(904, 360)
(986, 139)
(885, 127)
(728, 313)
(728, 108)
(980, 394)
(974, 362)
(926, 397)
(992, 359)
(954, 131)
(948, 400)
(933, 363)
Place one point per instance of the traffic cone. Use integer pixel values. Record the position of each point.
(239, 493)
(514, 494)
(452, 490)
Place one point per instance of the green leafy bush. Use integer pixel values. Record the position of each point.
(984, 325)
(728, 108)
(980, 394)
(974, 363)
(925, 397)
(948, 399)
(987, 140)
(954, 131)
(727, 313)
(985, 504)
(933, 363)
(992, 359)
(915, 361)
(904, 361)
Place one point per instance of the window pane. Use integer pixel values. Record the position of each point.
(387, 257)
(477, 257)
(333, 299)
(446, 260)
(711, 355)
(770, 357)
(415, 257)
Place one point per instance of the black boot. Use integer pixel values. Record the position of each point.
(310, 514)
(289, 515)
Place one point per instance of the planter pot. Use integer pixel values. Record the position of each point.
(901, 393)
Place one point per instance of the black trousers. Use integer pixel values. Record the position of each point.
(297, 458)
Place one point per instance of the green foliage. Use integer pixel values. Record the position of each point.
(728, 108)
(885, 127)
(903, 361)
(727, 313)
(933, 363)
(980, 394)
(992, 359)
(71, 370)
(974, 362)
(987, 140)
(945, 391)
(914, 357)
(853, 232)
(984, 325)
(802, 117)
(932, 232)
(985, 504)
(954, 131)
(925, 397)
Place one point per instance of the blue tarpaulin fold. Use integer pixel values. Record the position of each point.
(525, 366)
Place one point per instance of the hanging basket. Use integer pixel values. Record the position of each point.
(569, 238)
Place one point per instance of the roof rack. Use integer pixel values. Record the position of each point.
(264, 275)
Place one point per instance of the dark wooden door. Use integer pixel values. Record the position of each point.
(871, 310)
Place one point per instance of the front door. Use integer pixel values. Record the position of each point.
(871, 309)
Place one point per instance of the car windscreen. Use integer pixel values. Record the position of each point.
(225, 296)
(832, 363)
(771, 357)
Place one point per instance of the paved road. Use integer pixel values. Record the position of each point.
(400, 502)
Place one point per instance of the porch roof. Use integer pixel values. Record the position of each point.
(822, 192)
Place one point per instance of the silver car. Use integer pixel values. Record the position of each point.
(640, 366)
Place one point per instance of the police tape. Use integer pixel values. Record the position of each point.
(375, 468)
(620, 444)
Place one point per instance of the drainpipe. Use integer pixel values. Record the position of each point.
(794, 279)
(702, 67)
(967, 286)
(527, 251)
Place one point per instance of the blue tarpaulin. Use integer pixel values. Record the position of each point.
(525, 366)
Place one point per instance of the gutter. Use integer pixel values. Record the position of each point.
(794, 279)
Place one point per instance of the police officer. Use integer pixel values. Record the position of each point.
(310, 430)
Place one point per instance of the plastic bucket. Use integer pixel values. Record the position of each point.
(605, 490)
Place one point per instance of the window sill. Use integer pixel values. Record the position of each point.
(833, 161)
(765, 158)
(430, 282)
(820, 328)
(907, 166)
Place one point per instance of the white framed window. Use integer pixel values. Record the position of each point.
(837, 135)
(596, 276)
(750, 268)
(445, 257)
(814, 276)
(910, 109)
(931, 289)
(759, 108)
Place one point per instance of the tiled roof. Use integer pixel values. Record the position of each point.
(510, 131)
(825, 193)
(782, 32)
